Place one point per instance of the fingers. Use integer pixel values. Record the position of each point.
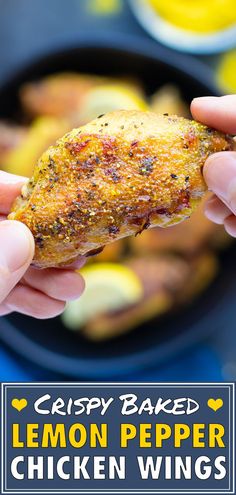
(230, 225)
(16, 253)
(10, 187)
(217, 112)
(220, 175)
(4, 310)
(31, 302)
(76, 265)
(64, 285)
(216, 211)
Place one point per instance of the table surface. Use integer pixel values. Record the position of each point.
(29, 28)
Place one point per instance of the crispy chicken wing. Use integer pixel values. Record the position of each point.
(114, 177)
(187, 237)
(58, 94)
(76, 96)
(167, 99)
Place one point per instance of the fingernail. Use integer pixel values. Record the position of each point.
(80, 262)
(220, 173)
(205, 99)
(17, 246)
(6, 178)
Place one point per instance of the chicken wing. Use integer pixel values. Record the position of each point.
(11, 137)
(187, 237)
(76, 96)
(57, 95)
(114, 177)
(168, 281)
(168, 99)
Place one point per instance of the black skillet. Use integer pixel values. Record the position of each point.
(48, 343)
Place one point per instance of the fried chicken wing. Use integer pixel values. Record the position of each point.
(168, 281)
(114, 177)
(161, 278)
(167, 99)
(77, 96)
(186, 238)
(58, 94)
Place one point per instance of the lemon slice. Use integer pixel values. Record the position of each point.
(109, 97)
(226, 72)
(109, 287)
(43, 132)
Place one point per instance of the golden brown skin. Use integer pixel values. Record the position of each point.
(58, 94)
(167, 99)
(65, 94)
(114, 177)
(187, 237)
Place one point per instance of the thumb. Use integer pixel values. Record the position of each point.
(16, 253)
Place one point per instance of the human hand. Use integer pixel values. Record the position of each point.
(38, 293)
(220, 168)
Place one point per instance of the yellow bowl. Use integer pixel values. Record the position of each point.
(179, 38)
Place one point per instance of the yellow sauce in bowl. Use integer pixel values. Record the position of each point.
(199, 16)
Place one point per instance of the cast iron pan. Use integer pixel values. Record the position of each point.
(47, 342)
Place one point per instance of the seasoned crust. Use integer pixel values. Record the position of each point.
(114, 177)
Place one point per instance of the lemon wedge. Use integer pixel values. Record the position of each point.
(108, 287)
(109, 97)
(43, 132)
(226, 72)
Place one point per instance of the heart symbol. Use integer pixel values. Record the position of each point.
(19, 404)
(215, 404)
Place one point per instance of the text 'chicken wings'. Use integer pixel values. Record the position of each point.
(114, 177)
